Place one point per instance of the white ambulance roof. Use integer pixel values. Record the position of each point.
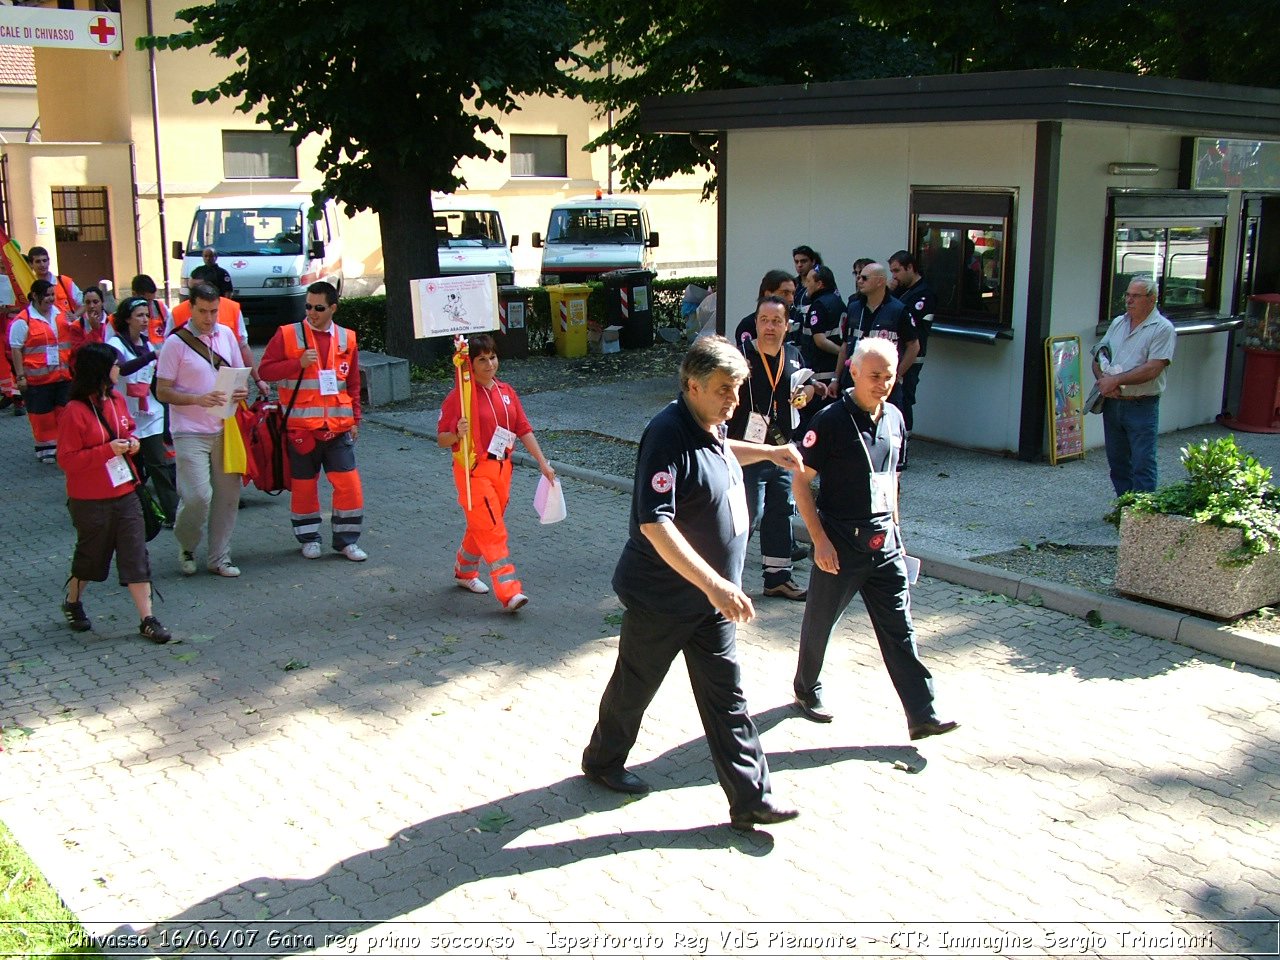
(255, 202)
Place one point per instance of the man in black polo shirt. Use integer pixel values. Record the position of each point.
(680, 579)
(872, 312)
(767, 412)
(921, 304)
(775, 283)
(853, 447)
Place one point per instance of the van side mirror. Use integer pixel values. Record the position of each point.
(652, 241)
(317, 249)
(537, 239)
(177, 250)
(515, 241)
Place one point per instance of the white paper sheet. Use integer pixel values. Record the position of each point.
(228, 380)
(913, 568)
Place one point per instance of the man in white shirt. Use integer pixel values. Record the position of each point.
(185, 379)
(1129, 364)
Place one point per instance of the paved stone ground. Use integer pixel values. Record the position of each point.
(419, 760)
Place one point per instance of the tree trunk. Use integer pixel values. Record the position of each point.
(409, 252)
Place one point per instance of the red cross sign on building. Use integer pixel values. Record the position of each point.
(102, 30)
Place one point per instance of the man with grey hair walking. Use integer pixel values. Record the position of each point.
(853, 448)
(680, 580)
(1129, 364)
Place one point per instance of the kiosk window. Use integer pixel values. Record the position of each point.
(960, 243)
(1182, 255)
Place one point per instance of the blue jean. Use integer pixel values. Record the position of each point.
(1131, 428)
(769, 506)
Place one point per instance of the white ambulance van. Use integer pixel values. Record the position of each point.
(271, 249)
(471, 239)
(588, 236)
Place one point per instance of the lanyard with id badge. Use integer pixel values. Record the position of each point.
(503, 438)
(761, 428)
(884, 486)
(328, 376)
(119, 470)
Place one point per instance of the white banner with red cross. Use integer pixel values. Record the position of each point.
(69, 29)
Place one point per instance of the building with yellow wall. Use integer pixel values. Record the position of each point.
(126, 156)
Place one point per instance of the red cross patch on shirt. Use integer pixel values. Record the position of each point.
(662, 481)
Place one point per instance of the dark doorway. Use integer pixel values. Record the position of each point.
(82, 229)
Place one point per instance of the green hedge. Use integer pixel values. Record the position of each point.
(367, 316)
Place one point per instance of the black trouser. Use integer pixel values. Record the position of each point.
(881, 577)
(904, 393)
(648, 643)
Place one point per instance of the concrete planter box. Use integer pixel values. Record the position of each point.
(1174, 560)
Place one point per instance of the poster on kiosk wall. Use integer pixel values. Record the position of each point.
(453, 306)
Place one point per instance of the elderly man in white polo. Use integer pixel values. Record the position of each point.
(1129, 364)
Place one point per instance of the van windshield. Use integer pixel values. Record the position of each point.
(468, 228)
(264, 232)
(595, 225)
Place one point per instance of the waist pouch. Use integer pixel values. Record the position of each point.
(866, 537)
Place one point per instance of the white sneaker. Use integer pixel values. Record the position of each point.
(186, 562)
(353, 552)
(311, 549)
(226, 569)
(474, 584)
(515, 603)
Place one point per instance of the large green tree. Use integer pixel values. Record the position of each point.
(398, 93)
(673, 46)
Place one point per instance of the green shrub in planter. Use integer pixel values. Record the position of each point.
(1225, 487)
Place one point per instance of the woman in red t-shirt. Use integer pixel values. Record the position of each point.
(95, 443)
(497, 421)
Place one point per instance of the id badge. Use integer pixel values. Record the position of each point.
(884, 486)
(118, 470)
(51, 357)
(502, 442)
(738, 509)
(757, 428)
(328, 383)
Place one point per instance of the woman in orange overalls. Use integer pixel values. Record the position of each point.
(497, 421)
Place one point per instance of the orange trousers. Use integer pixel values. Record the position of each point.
(486, 534)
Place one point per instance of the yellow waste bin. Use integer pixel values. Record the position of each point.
(569, 318)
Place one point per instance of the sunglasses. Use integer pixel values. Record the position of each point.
(318, 307)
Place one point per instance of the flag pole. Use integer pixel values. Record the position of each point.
(462, 367)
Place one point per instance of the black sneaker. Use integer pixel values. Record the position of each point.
(76, 618)
(154, 630)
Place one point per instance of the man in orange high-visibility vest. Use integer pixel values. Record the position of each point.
(66, 295)
(317, 368)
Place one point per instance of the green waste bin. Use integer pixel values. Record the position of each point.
(512, 338)
(630, 306)
(569, 318)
